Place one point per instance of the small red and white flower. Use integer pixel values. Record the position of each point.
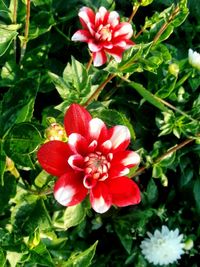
(94, 161)
(104, 33)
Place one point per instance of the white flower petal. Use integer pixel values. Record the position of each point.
(64, 195)
(163, 247)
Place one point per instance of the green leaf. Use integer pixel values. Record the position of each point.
(113, 117)
(152, 192)
(18, 103)
(148, 96)
(2, 163)
(72, 217)
(29, 215)
(157, 171)
(196, 192)
(7, 34)
(7, 190)
(2, 258)
(21, 141)
(122, 230)
(81, 259)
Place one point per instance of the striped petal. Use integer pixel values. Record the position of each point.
(76, 162)
(53, 157)
(113, 18)
(93, 46)
(69, 189)
(126, 158)
(99, 58)
(124, 29)
(78, 143)
(87, 16)
(97, 129)
(120, 137)
(76, 120)
(100, 198)
(124, 191)
(81, 36)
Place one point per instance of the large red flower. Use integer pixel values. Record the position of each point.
(94, 161)
(104, 34)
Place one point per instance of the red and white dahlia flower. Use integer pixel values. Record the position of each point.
(94, 161)
(104, 33)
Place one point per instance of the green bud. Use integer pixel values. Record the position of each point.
(173, 69)
(188, 244)
(55, 132)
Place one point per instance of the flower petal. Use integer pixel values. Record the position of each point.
(124, 29)
(97, 129)
(78, 143)
(81, 36)
(126, 158)
(69, 189)
(100, 198)
(94, 47)
(99, 58)
(53, 157)
(76, 120)
(120, 137)
(113, 18)
(86, 16)
(76, 162)
(124, 191)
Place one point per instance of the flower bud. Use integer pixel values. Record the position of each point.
(55, 132)
(188, 244)
(10, 166)
(173, 69)
(164, 180)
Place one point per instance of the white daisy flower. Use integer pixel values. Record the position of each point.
(194, 59)
(163, 247)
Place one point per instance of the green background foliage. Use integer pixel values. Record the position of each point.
(154, 91)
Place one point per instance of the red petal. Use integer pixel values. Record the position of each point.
(53, 157)
(78, 143)
(86, 16)
(124, 191)
(116, 52)
(69, 189)
(76, 162)
(126, 158)
(120, 137)
(81, 36)
(97, 130)
(99, 58)
(100, 198)
(124, 29)
(76, 120)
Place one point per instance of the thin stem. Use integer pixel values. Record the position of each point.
(14, 21)
(165, 103)
(164, 26)
(98, 90)
(140, 32)
(135, 9)
(162, 157)
(89, 63)
(24, 42)
(174, 108)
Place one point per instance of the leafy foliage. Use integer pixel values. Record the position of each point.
(154, 91)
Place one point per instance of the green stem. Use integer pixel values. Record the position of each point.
(135, 9)
(14, 21)
(99, 90)
(165, 25)
(162, 157)
(89, 63)
(26, 31)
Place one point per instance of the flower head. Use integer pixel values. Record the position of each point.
(163, 247)
(104, 33)
(194, 59)
(94, 161)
